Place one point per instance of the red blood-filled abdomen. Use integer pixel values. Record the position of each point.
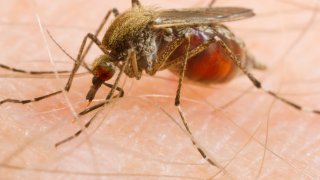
(212, 65)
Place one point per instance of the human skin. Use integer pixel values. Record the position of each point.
(135, 137)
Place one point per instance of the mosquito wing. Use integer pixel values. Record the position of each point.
(199, 16)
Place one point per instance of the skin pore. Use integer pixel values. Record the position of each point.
(134, 137)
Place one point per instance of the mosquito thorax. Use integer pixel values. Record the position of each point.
(127, 26)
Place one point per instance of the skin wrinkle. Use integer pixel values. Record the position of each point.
(134, 135)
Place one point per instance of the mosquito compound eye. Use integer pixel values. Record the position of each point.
(103, 69)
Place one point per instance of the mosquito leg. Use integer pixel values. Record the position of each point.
(26, 101)
(254, 63)
(257, 83)
(113, 11)
(112, 86)
(211, 3)
(92, 108)
(183, 69)
(76, 67)
(68, 85)
(80, 57)
(96, 106)
(162, 61)
(177, 104)
(123, 67)
(134, 66)
(30, 72)
(75, 134)
(85, 52)
(191, 53)
(121, 91)
(135, 3)
(108, 98)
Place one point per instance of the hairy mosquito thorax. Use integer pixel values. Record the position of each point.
(127, 27)
(130, 30)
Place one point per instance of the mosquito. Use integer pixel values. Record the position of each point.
(192, 43)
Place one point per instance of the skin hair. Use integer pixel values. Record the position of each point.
(134, 137)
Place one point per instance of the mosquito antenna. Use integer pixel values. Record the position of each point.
(65, 52)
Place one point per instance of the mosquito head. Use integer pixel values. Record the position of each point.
(102, 69)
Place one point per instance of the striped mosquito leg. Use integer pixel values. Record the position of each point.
(114, 87)
(31, 72)
(26, 101)
(75, 134)
(177, 104)
(257, 83)
(211, 3)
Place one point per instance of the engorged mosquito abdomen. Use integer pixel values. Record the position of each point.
(212, 65)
